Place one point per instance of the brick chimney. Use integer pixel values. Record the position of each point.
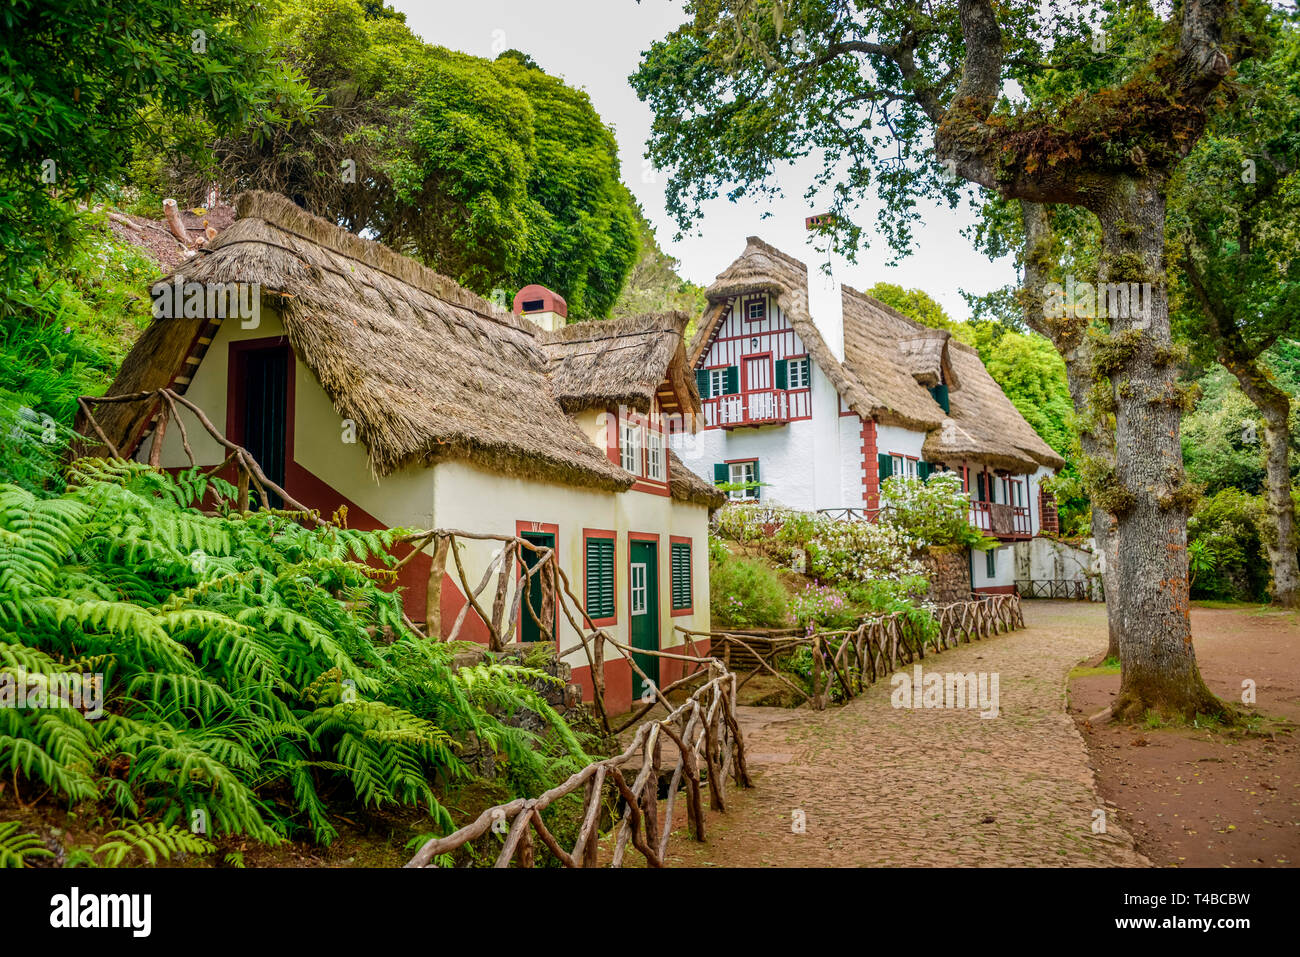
(542, 307)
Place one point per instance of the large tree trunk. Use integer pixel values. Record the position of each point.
(1147, 491)
(1275, 405)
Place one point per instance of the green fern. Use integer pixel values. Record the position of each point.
(150, 841)
(240, 673)
(18, 847)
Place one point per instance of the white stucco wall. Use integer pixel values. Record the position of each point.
(469, 498)
(1005, 568)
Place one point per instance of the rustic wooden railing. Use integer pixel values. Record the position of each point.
(853, 658)
(705, 735)
(703, 730)
(1077, 589)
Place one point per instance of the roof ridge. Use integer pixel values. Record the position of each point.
(282, 213)
(768, 247)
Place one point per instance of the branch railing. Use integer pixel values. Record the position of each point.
(856, 657)
(704, 732)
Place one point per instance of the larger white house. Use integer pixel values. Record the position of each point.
(818, 392)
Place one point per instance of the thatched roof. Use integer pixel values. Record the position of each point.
(686, 486)
(890, 361)
(626, 361)
(427, 369)
(764, 268)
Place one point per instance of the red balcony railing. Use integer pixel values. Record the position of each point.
(762, 407)
(1001, 521)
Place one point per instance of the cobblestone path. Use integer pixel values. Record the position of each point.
(884, 786)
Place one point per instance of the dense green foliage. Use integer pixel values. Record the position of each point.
(654, 285)
(83, 86)
(252, 669)
(493, 173)
(744, 593)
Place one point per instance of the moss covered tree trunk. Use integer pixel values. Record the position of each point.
(1275, 405)
(1147, 491)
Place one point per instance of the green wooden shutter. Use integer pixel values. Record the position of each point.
(980, 494)
(721, 473)
(600, 577)
(885, 466)
(756, 471)
(733, 380)
(681, 575)
(991, 563)
(782, 377)
(940, 393)
(702, 382)
(923, 470)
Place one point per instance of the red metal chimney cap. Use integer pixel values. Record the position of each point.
(535, 298)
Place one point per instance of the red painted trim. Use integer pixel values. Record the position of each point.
(779, 331)
(606, 533)
(237, 397)
(745, 360)
(687, 541)
(870, 465)
(651, 488)
(996, 590)
(543, 528)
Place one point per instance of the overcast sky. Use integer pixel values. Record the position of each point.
(595, 45)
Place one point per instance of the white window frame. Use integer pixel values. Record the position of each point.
(804, 367)
(741, 472)
(630, 446)
(656, 460)
(749, 310)
(638, 590)
(717, 382)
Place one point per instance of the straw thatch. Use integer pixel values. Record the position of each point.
(686, 486)
(890, 363)
(621, 362)
(428, 370)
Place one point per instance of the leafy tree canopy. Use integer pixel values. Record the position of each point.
(493, 173)
(85, 85)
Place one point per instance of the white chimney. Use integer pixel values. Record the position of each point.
(826, 305)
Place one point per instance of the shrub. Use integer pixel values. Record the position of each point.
(746, 594)
(933, 512)
(1225, 537)
(823, 607)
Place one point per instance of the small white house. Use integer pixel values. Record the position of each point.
(818, 393)
(365, 381)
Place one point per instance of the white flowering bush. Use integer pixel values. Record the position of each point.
(934, 512)
(844, 552)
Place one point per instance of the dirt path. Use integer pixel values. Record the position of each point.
(1206, 797)
(881, 786)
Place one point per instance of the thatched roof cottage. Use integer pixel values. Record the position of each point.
(363, 379)
(815, 393)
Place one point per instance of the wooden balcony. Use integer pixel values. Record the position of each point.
(1007, 522)
(761, 407)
